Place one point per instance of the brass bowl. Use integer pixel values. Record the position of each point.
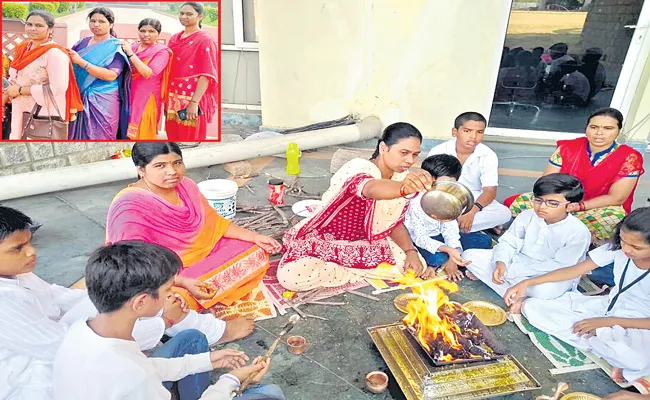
(447, 200)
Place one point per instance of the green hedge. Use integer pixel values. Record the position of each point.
(175, 7)
(51, 7)
(14, 10)
(63, 7)
(81, 4)
(212, 14)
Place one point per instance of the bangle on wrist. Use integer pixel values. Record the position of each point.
(87, 66)
(478, 205)
(194, 101)
(411, 249)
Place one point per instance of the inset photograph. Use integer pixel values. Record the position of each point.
(110, 71)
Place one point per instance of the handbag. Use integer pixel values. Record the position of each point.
(44, 128)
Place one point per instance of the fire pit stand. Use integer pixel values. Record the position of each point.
(479, 380)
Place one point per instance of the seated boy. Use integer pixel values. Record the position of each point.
(540, 240)
(35, 314)
(615, 327)
(480, 173)
(99, 359)
(440, 243)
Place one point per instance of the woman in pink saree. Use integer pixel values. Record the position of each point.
(360, 224)
(151, 63)
(166, 208)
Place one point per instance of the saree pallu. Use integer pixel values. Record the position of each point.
(106, 103)
(194, 231)
(194, 56)
(348, 235)
(147, 94)
(601, 222)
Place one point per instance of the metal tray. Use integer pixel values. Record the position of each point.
(479, 380)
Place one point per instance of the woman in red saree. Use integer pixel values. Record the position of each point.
(151, 62)
(193, 88)
(360, 224)
(166, 208)
(608, 171)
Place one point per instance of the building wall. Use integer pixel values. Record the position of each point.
(427, 60)
(17, 158)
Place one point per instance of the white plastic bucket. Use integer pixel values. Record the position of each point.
(222, 195)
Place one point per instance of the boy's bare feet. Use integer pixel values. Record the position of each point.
(237, 328)
(617, 375)
(470, 275)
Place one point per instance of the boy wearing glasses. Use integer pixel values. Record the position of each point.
(539, 241)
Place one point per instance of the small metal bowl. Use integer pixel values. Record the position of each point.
(447, 200)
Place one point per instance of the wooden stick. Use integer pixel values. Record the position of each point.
(285, 221)
(328, 303)
(366, 296)
(400, 287)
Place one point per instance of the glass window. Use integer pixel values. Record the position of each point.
(560, 62)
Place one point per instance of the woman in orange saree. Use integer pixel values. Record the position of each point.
(166, 208)
(151, 64)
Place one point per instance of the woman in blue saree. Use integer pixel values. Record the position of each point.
(103, 74)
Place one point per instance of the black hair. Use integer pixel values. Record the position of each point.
(118, 272)
(152, 22)
(106, 12)
(395, 133)
(638, 221)
(198, 7)
(46, 15)
(469, 116)
(11, 221)
(608, 112)
(558, 183)
(560, 47)
(442, 165)
(144, 152)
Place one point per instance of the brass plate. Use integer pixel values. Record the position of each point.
(490, 314)
(580, 396)
(483, 380)
(402, 300)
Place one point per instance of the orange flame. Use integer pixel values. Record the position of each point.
(423, 313)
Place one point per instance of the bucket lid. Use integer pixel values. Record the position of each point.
(219, 186)
(276, 182)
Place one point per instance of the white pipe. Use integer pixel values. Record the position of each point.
(77, 176)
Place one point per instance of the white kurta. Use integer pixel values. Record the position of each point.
(529, 248)
(480, 170)
(34, 316)
(622, 348)
(88, 366)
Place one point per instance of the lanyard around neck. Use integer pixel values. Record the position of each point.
(621, 288)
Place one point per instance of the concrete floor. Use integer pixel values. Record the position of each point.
(341, 353)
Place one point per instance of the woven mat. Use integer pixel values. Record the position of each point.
(257, 303)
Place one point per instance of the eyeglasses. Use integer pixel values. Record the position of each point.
(548, 203)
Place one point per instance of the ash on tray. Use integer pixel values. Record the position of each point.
(468, 340)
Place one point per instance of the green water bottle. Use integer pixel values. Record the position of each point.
(293, 159)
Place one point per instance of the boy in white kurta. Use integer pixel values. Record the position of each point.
(34, 316)
(99, 358)
(615, 327)
(480, 172)
(540, 240)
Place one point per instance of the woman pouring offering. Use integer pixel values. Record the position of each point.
(360, 224)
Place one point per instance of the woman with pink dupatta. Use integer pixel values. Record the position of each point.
(193, 95)
(151, 62)
(222, 262)
(361, 222)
